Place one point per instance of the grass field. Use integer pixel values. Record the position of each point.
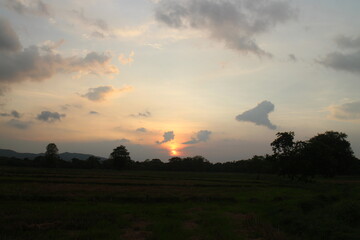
(95, 204)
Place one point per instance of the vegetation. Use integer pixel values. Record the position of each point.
(327, 154)
(43, 203)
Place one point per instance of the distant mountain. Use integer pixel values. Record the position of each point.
(65, 156)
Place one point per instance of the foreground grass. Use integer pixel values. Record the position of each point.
(95, 204)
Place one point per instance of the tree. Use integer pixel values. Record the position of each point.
(51, 155)
(331, 153)
(120, 157)
(284, 143)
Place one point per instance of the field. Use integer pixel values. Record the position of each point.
(99, 204)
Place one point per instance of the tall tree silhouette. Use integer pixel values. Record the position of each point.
(120, 157)
(51, 155)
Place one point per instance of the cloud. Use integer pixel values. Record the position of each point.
(233, 22)
(30, 7)
(50, 46)
(201, 136)
(9, 40)
(93, 113)
(127, 60)
(145, 114)
(259, 115)
(168, 136)
(100, 93)
(143, 130)
(50, 117)
(348, 62)
(292, 58)
(33, 63)
(346, 111)
(19, 124)
(99, 28)
(348, 42)
(13, 113)
(124, 141)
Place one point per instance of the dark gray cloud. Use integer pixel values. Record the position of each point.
(143, 130)
(93, 113)
(168, 136)
(346, 111)
(19, 124)
(9, 40)
(234, 22)
(259, 115)
(348, 62)
(124, 141)
(50, 117)
(145, 114)
(13, 113)
(348, 42)
(201, 136)
(30, 7)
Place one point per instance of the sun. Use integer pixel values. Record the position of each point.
(174, 152)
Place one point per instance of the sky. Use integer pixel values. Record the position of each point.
(217, 78)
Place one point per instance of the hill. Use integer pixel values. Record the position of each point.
(67, 156)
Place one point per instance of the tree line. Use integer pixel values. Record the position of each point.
(327, 154)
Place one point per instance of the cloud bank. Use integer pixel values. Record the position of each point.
(50, 117)
(233, 22)
(201, 136)
(259, 115)
(168, 136)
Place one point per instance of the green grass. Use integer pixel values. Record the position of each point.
(99, 204)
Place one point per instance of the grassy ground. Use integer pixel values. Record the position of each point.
(95, 204)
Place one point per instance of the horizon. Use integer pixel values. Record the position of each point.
(177, 78)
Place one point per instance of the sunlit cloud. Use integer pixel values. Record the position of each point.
(127, 60)
(100, 93)
(259, 115)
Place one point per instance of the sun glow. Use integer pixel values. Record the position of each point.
(174, 152)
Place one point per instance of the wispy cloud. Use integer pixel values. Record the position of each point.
(127, 60)
(15, 123)
(145, 114)
(143, 130)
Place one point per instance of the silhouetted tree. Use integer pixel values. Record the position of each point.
(120, 157)
(331, 153)
(51, 155)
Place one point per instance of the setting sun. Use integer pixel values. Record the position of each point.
(174, 152)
